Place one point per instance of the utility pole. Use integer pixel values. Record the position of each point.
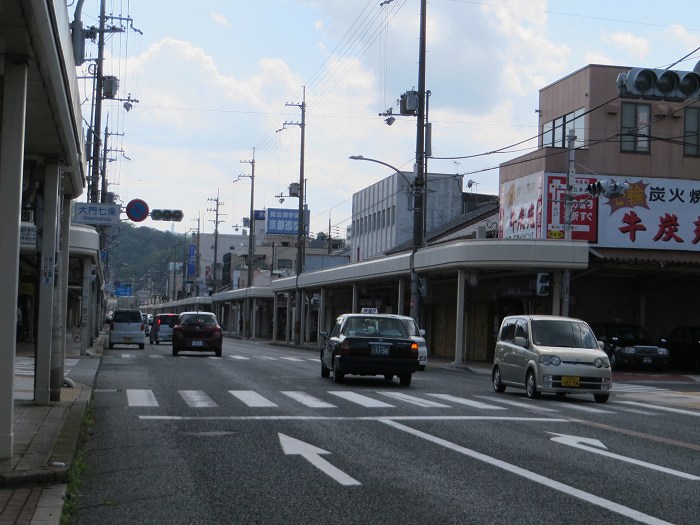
(419, 182)
(301, 233)
(216, 222)
(568, 209)
(248, 321)
(97, 124)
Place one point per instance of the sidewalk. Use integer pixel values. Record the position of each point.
(33, 481)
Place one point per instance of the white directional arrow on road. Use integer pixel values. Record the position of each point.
(312, 454)
(595, 446)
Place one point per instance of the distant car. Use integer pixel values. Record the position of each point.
(197, 332)
(548, 353)
(162, 328)
(369, 344)
(418, 335)
(127, 328)
(630, 345)
(684, 346)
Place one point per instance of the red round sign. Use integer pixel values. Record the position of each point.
(137, 210)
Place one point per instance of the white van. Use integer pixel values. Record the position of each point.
(127, 328)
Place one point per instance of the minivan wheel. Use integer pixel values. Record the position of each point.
(498, 385)
(601, 398)
(531, 385)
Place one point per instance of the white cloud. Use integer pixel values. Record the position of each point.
(219, 19)
(636, 47)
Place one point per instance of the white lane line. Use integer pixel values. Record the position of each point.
(197, 399)
(307, 399)
(532, 476)
(315, 359)
(265, 357)
(361, 400)
(353, 418)
(156, 356)
(292, 358)
(141, 398)
(664, 409)
(414, 400)
(128, 356)
(584, 408)
(529, 406)
(252, 399)
(467, 402)
(240, 357)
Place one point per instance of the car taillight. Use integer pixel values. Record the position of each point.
(158, 322)
(414, 348)
(143, 327)
(344, 348)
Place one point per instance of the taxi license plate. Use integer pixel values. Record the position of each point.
(127, 339)
(196, 343)
(569, 381)
(647, 360)
(379, 350)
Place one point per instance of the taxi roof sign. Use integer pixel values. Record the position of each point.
(369, 311)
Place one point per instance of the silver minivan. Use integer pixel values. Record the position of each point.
(549, 353)
(127, 328)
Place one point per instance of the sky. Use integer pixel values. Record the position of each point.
(219, 83)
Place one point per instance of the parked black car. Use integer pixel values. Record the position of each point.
(684, 345)
(629, 345)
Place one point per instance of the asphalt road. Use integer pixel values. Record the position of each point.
(259, 437)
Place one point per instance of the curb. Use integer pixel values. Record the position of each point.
(64, 450)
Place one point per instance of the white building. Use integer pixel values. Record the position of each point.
(382, 214)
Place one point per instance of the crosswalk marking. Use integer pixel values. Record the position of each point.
(197, 399)
(239, 357)
(414, 400)
(633, 388)
(252, 399)
(129, 356)
(156, 356)
(266, 357)
(291, 358)
(361, 400)
(467, 402)
(307, 399)
(141, 398)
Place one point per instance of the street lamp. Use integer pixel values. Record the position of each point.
(416, 188)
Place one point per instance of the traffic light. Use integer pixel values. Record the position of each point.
(659, 84)
(542, 284)
(607, 188)
(167, 215)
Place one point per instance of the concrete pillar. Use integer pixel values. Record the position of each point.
(402, 297)
(47, 283)
(355, 298)
(85, 306)
(321, 325)
(62, 274)
(288, 334)
(14, 103)
(253, 318)
(274, 317)
(459, 325)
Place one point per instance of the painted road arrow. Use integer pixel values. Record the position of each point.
(312, 454)
(595, 446)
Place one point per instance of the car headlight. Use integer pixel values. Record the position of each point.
(629, 350)
(550, 360)
(662, 351)
(601, 362)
